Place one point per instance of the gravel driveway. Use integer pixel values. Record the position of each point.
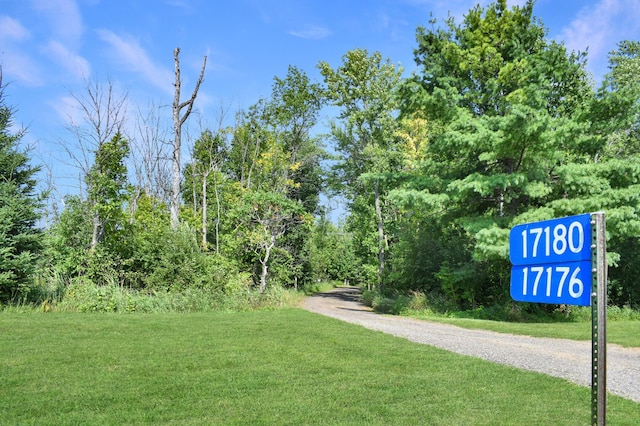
(568, 359)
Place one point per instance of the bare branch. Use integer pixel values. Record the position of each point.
(103, 113)
(150, 155)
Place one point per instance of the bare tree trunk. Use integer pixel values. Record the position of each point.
(218, 208)
(95, 235)
(204, 210)
(253, 161)
(194, 193)
(381, 237)
(264, 262)
(178, 121)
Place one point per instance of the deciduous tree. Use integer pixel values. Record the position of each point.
(266, 217)
(108, 188)
(364, 88)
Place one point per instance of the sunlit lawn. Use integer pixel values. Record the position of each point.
(282, 367)
(624, 333)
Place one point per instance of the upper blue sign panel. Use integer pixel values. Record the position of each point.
(566, 239)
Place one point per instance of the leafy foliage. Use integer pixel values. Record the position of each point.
(518, 135)
(364, 88)
(108, 189)
(497, 126)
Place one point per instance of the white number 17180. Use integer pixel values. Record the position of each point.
(542, 241)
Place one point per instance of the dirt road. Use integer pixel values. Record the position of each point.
(564, 358)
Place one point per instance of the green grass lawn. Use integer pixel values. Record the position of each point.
(623, 333)
(281, 367)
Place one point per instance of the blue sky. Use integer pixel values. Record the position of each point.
(48, 48)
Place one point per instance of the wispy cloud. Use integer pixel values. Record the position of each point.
(73, 63)
(395, 26)
(10, 29)
(64, 17)
(185, 5)
(22, 68)
(15, 63)
(312, 32)
(131, 56)
(595, 27)
(68, 109)
(63, 20)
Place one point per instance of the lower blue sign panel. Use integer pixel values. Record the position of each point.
(566, 283)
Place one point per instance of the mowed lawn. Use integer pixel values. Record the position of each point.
(280, 367)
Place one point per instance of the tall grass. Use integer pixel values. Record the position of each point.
(84, 296)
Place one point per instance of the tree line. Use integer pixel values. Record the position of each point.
(497, 126)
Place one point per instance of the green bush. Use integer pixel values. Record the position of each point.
(419, 304)
(319, 287)
(625, 313)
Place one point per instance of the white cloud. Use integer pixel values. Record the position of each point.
(180, 4)
(20, 67)
(63, 16)
(131, 56)
(68, 109)
(72, 62)
(313, 32)
(16, 65)
(63, 25)
(600, 27)
(591, 28)
(10, 29)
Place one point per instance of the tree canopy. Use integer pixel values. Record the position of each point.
(497, 126)
(519, 136)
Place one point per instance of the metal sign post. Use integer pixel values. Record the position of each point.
(563, 261)
(598, 321)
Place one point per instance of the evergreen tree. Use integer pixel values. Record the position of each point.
(20, 238)
(505, 106)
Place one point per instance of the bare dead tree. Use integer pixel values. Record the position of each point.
(151, 156)
(178, 121)
(103, 114)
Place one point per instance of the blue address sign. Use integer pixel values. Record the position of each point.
(568, 283)
(567, 239)
(552, 261)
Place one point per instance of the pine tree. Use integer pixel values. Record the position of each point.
(20, 239)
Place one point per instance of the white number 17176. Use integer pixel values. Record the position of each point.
(546, 279)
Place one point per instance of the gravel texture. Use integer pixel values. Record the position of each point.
(568, 359)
